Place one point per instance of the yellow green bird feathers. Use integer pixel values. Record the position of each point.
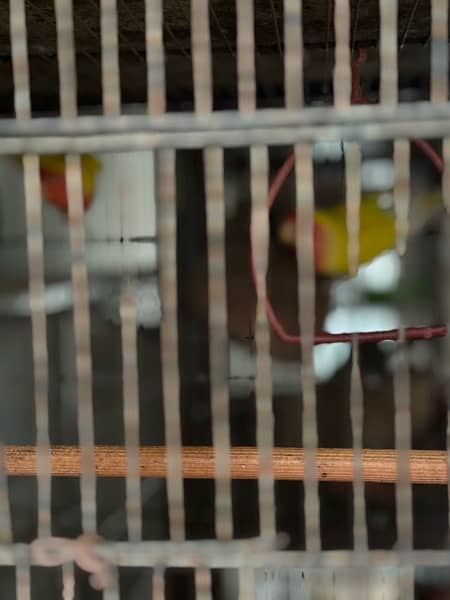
(377, 230)
(53, 179)
(52, 171)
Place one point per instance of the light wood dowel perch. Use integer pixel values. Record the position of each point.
(426, 466)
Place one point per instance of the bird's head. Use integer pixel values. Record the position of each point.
(53, 179)
(376, 235)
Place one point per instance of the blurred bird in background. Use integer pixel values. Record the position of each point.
(53, 179)
(377, 231)
(377, 226)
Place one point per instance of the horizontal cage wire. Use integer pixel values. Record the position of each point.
(225, 287)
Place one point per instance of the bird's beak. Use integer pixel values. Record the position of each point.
(287, 237)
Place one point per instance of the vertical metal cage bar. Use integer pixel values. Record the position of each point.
(19, 55)
(110, 58)
(388, 52)
(406, 586)
(264, 411)
(201, 56)
(112, 592)
(158, 584)
(36, 281)
(353, 193)
(445, 258)
(81, 315)
(68, 581)
(23, 574)
(22, 106)
(246, 55)
(66, 58)
(446, 175)
(402, 387)
(439, 51)
(131, 413)
(306, 295)
(203, 589)
(247, 103)
(82, 332)
(401, 193)
(246, 72)
(6, 534)
(166, 215)
(156, 78)
(293, 53)
(218, 337)
(357, 420)
(342, 81)
(246, 583)
(130, 377)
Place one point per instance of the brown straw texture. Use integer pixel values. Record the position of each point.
(333, 464)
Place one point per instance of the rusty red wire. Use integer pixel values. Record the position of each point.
(411, 333)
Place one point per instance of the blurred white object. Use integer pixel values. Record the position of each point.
(328, 151)
(328, 359)
(57, 297)
(380, 275)
(148, 303)
(126, 180)
(242, 372)
(377, 174)
(363, 318)
(105, 294)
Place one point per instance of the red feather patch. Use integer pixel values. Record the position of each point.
(55, 192)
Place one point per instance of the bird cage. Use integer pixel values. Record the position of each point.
(224, 260)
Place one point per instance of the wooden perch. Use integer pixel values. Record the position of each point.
(427, 466)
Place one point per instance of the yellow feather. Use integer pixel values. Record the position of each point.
(89, 168)
(377, 230)
(377, 234)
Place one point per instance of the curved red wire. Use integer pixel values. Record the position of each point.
(277, 183)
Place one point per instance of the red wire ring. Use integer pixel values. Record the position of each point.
(285, 170)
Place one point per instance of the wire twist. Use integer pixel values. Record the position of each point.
(57, 551)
